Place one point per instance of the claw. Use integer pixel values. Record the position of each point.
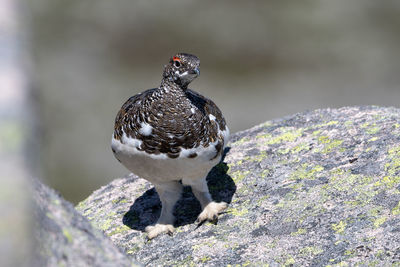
(210, 212)
(214, 220)
(155, 230)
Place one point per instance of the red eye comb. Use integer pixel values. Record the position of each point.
(176, 59)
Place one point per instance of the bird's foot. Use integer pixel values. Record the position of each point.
(155, 230)
(210, 212)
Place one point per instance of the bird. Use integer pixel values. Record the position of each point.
(172, 136)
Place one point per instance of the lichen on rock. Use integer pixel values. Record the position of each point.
(316, 188)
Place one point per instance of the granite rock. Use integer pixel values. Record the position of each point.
(319, 188)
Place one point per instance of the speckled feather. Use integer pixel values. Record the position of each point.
(179, 118)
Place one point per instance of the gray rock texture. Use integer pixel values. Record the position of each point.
(65, 238)
(319, 188)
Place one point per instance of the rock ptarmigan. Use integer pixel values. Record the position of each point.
(171, 134)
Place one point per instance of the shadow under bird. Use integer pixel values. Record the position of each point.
(171, 134)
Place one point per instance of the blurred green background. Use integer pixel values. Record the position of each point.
(259, 60)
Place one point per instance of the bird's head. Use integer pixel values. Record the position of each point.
(182, 69)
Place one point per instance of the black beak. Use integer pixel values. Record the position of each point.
(196, 71)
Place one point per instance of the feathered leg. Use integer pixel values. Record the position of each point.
(169, 194)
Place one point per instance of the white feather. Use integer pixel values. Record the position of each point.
(145, 129)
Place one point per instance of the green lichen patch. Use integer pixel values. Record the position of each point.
(119, 230)
(373, 139)
(306, 171)
(299, 231)
(106, 224)
(204, 259)
(327, 144)
(67, 235)
(296, 149)
(396, 210)
(310, 251)
(286, 135)
(389, 182)
(348, 123)
(365, 125)
(393, 166)
(241, 141)
(119, 200)
(289, 261)
(264, 136)
(238, 176)
(379, 221)
(373, 130)
(238, 212)
(360, 188)
(339, 227)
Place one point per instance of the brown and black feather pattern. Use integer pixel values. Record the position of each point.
(175, 126)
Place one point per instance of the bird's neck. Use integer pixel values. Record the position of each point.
(168, 84)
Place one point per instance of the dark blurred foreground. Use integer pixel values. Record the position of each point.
(16, 130)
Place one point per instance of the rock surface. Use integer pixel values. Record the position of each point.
(318, 188)
(65, 238)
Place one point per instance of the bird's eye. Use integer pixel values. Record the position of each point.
(177, 63)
